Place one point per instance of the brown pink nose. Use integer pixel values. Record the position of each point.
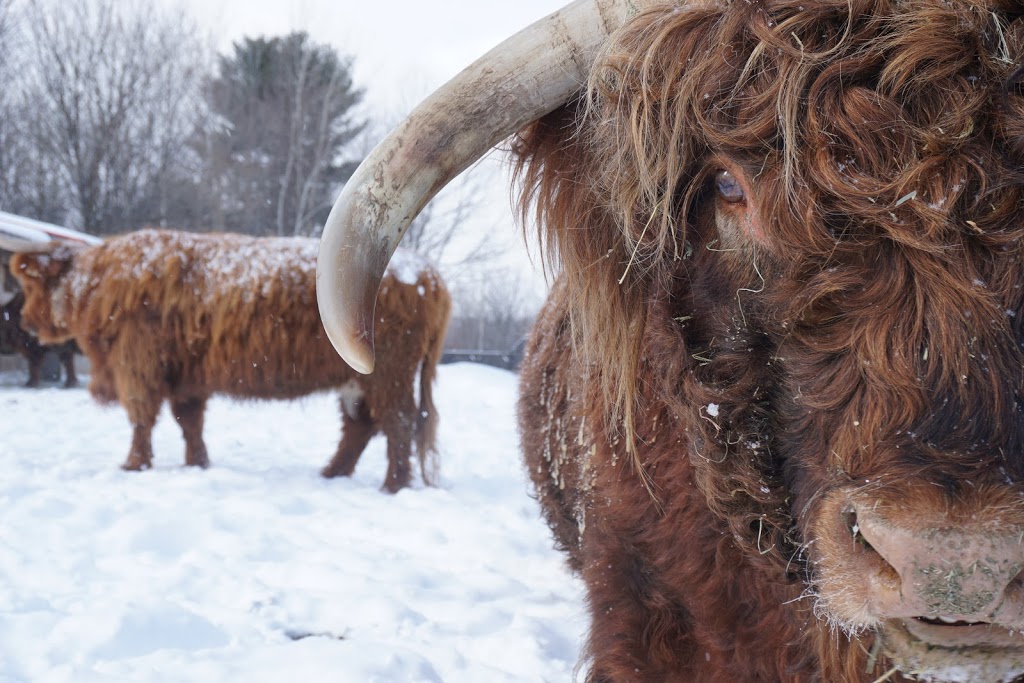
(950, 573)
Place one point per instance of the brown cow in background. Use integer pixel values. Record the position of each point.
(13, 339)
(181, 316)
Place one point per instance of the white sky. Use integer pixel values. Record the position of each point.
(402, 50)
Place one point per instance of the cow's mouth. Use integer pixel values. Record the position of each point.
(944, 632)
(946, 621)
(951, 650)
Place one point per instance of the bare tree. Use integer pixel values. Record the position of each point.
(448, 230)
(443, 231)
(29, 183)
(11, 149)
(114, 87)
(492, 314)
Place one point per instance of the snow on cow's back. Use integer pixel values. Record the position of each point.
(407, 266)
(229, 261)
(153, 267)
(240, 269)
(410, 268)
(258, 264)
(220, 260)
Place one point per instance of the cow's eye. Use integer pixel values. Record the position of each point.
(729, 188)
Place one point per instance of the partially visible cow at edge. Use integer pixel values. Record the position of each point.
(27, 346)
(180, 316)
(13, 337)
(774, 407)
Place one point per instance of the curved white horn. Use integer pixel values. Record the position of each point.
(20, 234)
(18, 239)
(520, 80)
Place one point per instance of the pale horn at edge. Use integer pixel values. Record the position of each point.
(520, 80)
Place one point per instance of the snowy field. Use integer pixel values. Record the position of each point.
(258, 570)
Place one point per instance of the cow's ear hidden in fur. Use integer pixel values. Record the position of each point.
(26, 266)
(42, 266)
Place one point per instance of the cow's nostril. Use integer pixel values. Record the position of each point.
(854, 527)
(1015, 588)
(876, 563)
(1017, 582)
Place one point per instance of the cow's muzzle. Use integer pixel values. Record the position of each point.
(940, 575)
(944, 591)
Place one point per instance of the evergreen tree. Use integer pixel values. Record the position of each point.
(280, 119)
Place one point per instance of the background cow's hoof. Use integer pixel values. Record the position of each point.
(200, 460)
(133, 464)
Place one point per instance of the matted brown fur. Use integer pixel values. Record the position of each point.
(179, 316)
(709, 378)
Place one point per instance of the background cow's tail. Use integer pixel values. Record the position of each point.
(426, 418)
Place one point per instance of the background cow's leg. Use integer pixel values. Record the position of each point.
(34, 354)
(140, 457)
(67, 357)
(398, 425)
(141, 399)
(34, 372)
(189, 413)
(102, 386)
(357, 427)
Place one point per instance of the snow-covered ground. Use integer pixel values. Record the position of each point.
(259, 570)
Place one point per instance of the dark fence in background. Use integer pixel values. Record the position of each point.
(507, 360)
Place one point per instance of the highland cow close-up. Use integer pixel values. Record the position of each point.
(164, 315)
(772, 409)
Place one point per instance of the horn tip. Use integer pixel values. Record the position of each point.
(347, 280)
(352, 338)
(360, 357)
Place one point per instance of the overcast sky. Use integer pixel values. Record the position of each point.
(402, 50)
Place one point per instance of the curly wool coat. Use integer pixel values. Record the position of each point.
(772, 408)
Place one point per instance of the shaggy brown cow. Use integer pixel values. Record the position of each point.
(179, 316)
(773, 407)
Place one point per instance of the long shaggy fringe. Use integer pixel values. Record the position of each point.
(831, 103)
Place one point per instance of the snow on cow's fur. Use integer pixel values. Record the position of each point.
(772, 408)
